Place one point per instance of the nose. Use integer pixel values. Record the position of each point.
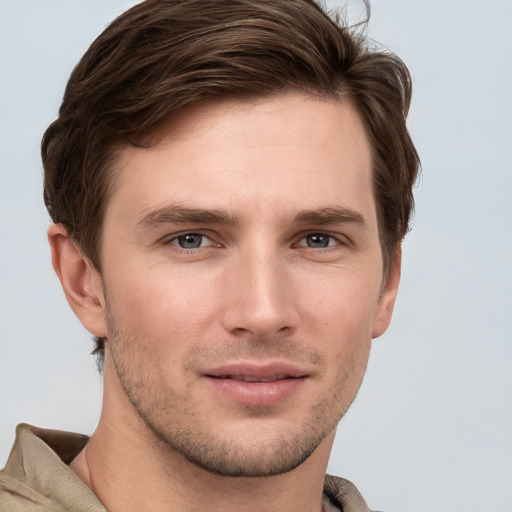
(259, 296)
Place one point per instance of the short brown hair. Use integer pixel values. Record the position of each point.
(163, 55)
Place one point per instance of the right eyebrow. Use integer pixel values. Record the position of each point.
(175, 214)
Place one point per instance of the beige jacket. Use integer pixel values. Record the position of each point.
(36, 477)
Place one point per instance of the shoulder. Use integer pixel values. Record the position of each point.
(16, 496)
(37, 478)
(344, 494)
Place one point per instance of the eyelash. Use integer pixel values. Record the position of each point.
(189, 233)
(338, 240)
(330, 237)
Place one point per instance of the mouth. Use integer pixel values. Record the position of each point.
(254, 378)
(255, 384)
(257, 372)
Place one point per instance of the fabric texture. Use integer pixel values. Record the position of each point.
(37, 478)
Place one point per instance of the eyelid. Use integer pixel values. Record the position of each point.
(167, 240)
(341, 240)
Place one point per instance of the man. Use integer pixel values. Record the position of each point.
(229, 183)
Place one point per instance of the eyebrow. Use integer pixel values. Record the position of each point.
(330, 215)
(182, 215)
(175, 214)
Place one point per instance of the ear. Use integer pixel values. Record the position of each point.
(387, 299)
(80, 281)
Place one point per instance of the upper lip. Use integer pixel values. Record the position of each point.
(257, 371)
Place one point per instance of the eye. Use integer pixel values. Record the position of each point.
(191, 241)
(318, 241)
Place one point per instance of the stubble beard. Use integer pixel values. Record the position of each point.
(186, 434)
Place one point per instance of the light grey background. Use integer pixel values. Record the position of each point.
(432, 426)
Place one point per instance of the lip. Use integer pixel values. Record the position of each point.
(257, 384)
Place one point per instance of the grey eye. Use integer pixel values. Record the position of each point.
(189, 241)
(318, 240)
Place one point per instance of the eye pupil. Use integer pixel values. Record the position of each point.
(317, 240)
(190, 241)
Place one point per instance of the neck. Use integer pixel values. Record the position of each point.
(128, 468)
(125, 476)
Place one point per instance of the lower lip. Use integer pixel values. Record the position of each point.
(257, 393)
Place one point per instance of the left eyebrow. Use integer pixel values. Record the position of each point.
(331, 215)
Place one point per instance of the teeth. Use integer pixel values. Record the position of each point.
(248, 378)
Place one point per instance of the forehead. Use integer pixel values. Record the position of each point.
(290, 150)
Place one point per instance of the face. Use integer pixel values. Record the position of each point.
(242, 279)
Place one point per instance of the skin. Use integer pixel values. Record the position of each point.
(286, 274)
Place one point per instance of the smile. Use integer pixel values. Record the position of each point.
(251, 378)
(256, 384)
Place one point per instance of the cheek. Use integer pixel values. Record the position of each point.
(341, 321)
(158, 291)
(344, 306)
(165, 316)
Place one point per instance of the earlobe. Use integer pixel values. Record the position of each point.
(80, 281)
(388, 297)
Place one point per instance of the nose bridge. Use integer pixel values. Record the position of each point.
(260, 292)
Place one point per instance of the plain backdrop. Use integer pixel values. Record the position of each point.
(432, 426)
